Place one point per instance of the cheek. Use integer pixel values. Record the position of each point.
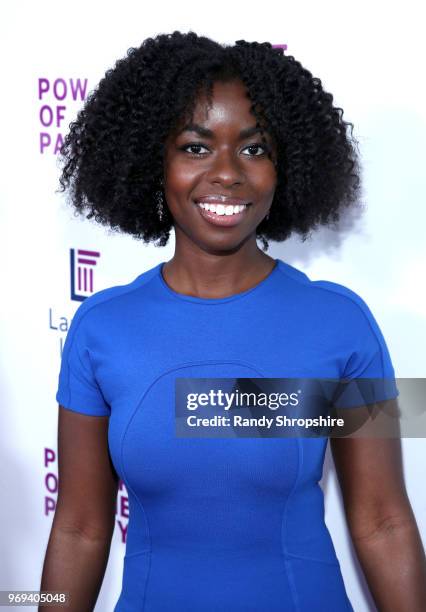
(179, 170)
(180, 184)
(265, 183)
(181, 180)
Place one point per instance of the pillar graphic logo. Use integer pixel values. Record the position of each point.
(82, 265)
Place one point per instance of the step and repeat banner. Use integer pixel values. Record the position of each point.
(53, 260)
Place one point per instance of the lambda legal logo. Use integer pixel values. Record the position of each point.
(81, 273)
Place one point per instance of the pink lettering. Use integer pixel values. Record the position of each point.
(123, 531)
(49, 456)
(59, 143)
(49, 505)
(46, 115)
(45, 141)
(124, 506)
(77, 88)
(51, 482)
(57, 86)
(43, 87)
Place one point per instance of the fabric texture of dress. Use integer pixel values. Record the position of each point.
(218, 524)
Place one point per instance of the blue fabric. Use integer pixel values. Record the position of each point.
(218, 524)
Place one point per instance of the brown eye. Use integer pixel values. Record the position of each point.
(258, 146)
(195, 145)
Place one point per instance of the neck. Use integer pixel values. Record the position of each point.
(204, 274)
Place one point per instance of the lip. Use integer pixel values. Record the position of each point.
(222, 220)
(221, 199)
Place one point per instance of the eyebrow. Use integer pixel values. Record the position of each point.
(206, 133)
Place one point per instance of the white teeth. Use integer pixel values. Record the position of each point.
(221, 209)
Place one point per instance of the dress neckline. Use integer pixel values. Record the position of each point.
(212, 301)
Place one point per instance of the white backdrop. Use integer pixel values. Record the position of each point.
(371, 59)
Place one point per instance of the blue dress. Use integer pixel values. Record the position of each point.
(218, 524)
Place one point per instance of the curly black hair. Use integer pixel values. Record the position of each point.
(113, 153)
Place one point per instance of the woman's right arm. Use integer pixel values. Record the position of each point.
(80, 539)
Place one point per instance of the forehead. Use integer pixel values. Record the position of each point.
(229, 103)
(227, 114)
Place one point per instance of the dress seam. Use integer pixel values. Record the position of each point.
(130, 489)
(286, 561)
(313, 559)
(137, 553)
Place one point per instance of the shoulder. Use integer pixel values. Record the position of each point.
(334, 307)
(337, 298)
(115, 299)
(337, 311)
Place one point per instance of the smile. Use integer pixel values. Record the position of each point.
(222, 209)
(222, 215)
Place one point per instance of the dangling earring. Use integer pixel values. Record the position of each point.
(267, 216)
(160, 202)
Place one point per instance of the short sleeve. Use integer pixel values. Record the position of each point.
(78, 388)
(369, 375)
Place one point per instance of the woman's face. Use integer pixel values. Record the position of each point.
(213, 162)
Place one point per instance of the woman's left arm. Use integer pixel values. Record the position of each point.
(381, 521)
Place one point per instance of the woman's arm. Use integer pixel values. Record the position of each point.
(80, 539)
(381, 522)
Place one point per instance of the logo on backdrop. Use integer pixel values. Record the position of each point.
(82, 285)
(55, 95)
(82, 265)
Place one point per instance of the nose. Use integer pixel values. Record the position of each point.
(225, 169)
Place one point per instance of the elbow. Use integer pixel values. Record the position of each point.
(381, 527)
(93, 532)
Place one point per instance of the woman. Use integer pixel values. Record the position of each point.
(226, 145)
